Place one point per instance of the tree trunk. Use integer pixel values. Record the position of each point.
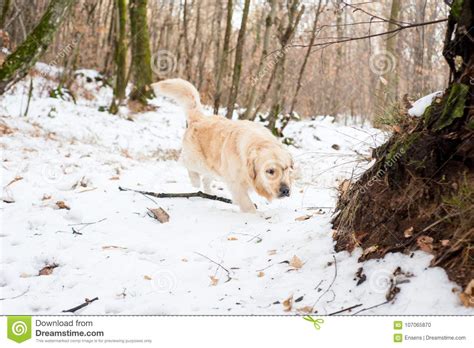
(278, 103)
(299, 83)
(249, 112)
(419, 192)
(120, 56)
(3, 16)
(225, 55)
(141, 56)
(17, 64)
(187, 51)
(239, 50)
(392, 51)
(386, 85)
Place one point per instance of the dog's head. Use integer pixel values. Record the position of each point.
(270, 168)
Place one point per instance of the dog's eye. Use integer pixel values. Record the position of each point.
(271, 171)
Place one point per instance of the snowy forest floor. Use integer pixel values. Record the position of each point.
(68, 233)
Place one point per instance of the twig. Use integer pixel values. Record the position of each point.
(356, 38)
(86, 303)
(218, 264)
(15, 297)
(330, 285)
(87, 223)
(346, 309)
(84, 225)
(180, 195)
(372, 307)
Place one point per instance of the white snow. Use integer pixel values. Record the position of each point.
(135, 265)
(419, 107)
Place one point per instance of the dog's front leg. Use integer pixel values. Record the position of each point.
(195, 178)
(241, 197)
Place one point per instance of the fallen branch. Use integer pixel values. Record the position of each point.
(180, 195)
(330, 285)
(346, 309)
(218, 264)
(372, 307)
(86, 303)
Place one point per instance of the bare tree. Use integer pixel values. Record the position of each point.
(141, 56)
(18, 63)
(234, 88)
(299, 83)
(120, 56)
(255, 80)
(224, 57)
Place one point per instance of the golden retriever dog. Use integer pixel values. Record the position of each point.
(243, 154)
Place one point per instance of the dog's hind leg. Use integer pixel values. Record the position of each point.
(241, 197)
(206, 182)
(195, 178)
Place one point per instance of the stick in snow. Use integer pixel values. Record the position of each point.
(346, 309)
(179, 195)
(86, 303)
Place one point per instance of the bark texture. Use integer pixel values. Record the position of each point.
(419, 194)
(17, 64)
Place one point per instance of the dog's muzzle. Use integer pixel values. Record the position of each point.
(284, 191)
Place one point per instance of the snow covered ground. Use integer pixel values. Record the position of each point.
(209, 258)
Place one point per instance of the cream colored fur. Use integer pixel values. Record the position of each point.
(243, 154)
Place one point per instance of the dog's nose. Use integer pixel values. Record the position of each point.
(284, 191)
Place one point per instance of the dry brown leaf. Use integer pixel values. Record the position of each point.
(46, 197)
(4, 129)
(114, 178)
(466, 300)
(288, 304)
(272, 252)
(260, 274)
(147, 277)
(214, 280)
(232, 238)
(17, 178)
(304, 217)
(47, 270)
(305, 309)
(408, 232)
(296, 262)
(160, 214)
(397, 129)
(445, 242)
(344, 187)
(62, 205)
(370, 250)
(425, 243)
(467, 297)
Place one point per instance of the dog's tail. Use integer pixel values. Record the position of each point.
(183, 92)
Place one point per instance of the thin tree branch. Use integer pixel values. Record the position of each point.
(357, 38)
(218, 264)
(180, 195)
(346, 309)
(86, 303)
